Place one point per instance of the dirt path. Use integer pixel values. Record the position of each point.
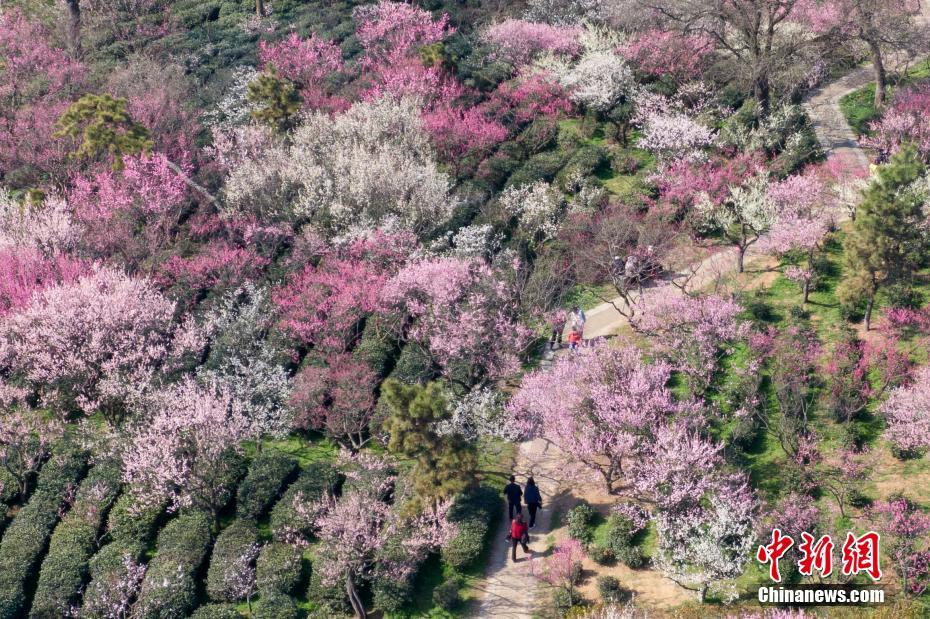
(511, 592)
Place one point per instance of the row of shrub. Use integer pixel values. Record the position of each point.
(473, 512)
(73, 543)
(27, 535)
(169, 588)
(267, 475)
(313, 482)
(130, 528)
(233, 543)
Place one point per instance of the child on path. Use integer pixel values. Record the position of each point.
(519, 534)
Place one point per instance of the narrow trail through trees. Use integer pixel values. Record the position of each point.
(511, 592)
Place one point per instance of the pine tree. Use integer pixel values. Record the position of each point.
(444, 464)
(886, 241)
(103, 127)
(276, 99)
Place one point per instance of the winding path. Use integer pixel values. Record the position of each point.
(510, 591)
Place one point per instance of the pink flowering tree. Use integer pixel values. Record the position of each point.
(111, 206)
(37, 82)
(179, 453)
(322, 305)
(904, 527)
(907, 415)
(306, 62)
(392, 34)
(694, 333)
(462, 135)
(561, 569)
(602, 407)
(25, 272)
(114, 594)
(525, 98)
(905, 120)
(844, 473)
(362, 533)
(518, 42)
(93, 345)
(25, 441)
(336, 398)
(661, 53)
(461, 314)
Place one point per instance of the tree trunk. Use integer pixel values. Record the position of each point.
(880, 77)
(74, 27)
(762, 92)
(740, 257)
(807, 290)
(260, 8)
(354, 598)
(868, 312)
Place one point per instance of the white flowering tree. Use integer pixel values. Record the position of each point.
(536, 207)
(744, 216)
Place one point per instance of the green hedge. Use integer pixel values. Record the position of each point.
(275, 606)
(473, 511)
(377, 347)
(263, 483)
(232, 543)
(168, 589)
(313, 482)
(217, 611)
(25, 539)
(278, 569)
(75, 538)
(129, 529)
(332, 600)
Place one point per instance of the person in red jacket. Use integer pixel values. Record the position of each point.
(519, 534)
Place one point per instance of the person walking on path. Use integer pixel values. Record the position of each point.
(519, 534)
(578, 319)
(533, 500)
(513, 493)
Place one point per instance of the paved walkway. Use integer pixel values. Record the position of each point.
(511, 591)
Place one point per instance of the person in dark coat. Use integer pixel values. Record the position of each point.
(513, 493)
(519, 534)
(533, 500)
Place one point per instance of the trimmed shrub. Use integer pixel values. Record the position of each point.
(217, 611)
(73, 543)
(263, 483)
(446, 596)
(377, 347)
(620, 533)
(8, 488)
(168, 589)
(412, 367)
(275, 606)
(332, 599)
(130, 531)
(279, 568)
(611, 591)
(232, 543)
(540, 167)
(315, 480)
(26, 537)
(389, 594)
(580, 521)
(473, 511)
(601, 555)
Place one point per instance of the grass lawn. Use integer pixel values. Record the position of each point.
(859, 106)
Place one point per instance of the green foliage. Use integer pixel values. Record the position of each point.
(390, 595)
(169, 590)
(275, 606)
(278, 569)
(217, 611)
(332, 599)
(583, 163)
(130, 522)
(412, 367)
(885, 245)
(275, 99)
(234, 541)
(26, 537)
(103, 127)
(73, 542)
(473, 512)
(581, 519)
(314, 481)
(540, 167)
(447, 596)
(445, 465)
(377, 347)
(611, 591)
(620, 542)
(263, 483)
(601, 555)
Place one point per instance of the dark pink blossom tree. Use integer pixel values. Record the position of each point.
(660, 53)
(336, 398)
(306, 62)
(462, 135)
(904, 527)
